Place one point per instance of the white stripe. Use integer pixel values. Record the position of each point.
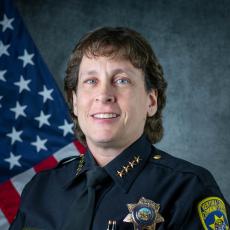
(22, 179)
(67, 151)
(4, 225)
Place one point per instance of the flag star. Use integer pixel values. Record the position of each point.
(39, 144)
(19, 110)
(3, 49)
(43, 119)
(23, 84)
(13, 160)
(67, 128)
(15, 135)
(2, 72)
(6, 23)
(26, 58)
(46, 93)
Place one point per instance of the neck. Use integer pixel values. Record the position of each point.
(103, 154)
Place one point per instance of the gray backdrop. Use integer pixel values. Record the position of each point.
(192, 41)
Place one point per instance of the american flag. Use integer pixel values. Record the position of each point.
(36, 131)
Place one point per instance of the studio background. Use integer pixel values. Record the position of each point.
(192, 42)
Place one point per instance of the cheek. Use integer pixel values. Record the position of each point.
(139, 104)
(135, 111)
(84, 104)
(78, 106)
(126, 119)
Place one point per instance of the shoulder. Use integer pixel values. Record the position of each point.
(192, 188)
(52, 178)
(181, 167)
(66, 164)
(68, 160)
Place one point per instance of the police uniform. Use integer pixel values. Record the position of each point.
(147, 189)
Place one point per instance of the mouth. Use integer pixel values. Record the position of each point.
(105, 115)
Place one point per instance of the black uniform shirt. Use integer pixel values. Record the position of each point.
(188, 196)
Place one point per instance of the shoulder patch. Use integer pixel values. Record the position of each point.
(213, 214)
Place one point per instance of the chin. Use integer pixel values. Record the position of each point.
(103, 140)
(104, 135)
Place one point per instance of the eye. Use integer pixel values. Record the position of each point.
(122, 81)
(90, 81)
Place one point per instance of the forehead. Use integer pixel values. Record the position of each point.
(96, 63)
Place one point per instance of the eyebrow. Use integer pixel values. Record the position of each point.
(115, 71)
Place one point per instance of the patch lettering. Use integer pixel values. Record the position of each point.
(213, 214)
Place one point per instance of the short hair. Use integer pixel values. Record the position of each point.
(131, 45)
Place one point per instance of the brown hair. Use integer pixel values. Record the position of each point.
(120, 41)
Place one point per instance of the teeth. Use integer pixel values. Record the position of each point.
(105, 115)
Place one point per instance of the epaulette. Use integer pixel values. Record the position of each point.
(178, 165)
(67, 160)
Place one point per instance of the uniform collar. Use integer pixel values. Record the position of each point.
(124, 168)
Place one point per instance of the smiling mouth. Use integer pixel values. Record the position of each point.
(105, 115)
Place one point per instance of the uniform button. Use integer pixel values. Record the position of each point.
(157, 157)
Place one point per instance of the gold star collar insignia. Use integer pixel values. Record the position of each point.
(144, 215)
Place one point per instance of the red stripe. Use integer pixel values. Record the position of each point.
(79, 146)
(9, 200)
(48, 163)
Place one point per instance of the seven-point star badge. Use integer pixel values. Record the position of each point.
(144, 215)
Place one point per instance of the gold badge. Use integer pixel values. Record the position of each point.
(144, 215)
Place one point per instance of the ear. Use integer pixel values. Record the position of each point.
(152, 102)
(75, 111)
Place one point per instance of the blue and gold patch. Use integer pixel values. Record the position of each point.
(213, 214)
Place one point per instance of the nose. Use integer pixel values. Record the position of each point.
(105, 98)
(105, 94)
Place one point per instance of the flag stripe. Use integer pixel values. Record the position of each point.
(3, 222)
(10, 199)
(48, 163)
(79, 146)
(68, 150)
(20, 180)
